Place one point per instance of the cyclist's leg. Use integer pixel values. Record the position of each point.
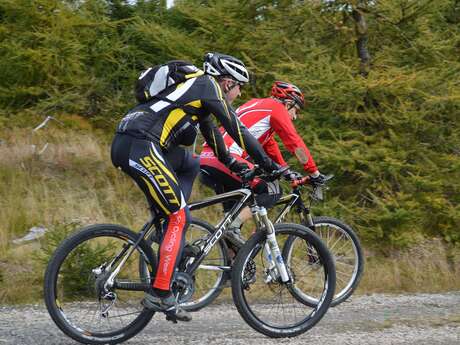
(186, 166)
(145, 163)
(218, 177)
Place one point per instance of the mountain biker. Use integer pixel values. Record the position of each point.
(146, 147)
(264, 118)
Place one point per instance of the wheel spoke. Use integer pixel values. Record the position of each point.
(274, 304)
(79, 282)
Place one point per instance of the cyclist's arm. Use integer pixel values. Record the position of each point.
(273, 151)
(283, 126)
(229, 120)
(214, 139)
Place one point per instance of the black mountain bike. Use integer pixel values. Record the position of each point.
(340, 239)
(94, 283)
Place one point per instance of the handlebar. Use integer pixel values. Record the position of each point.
(306, 180)
(251, 174)
(317, 193)
(303, 181)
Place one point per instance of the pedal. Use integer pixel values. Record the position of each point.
(174, 317)
(171, 318)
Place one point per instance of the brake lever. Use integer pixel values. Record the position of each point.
(317, 193)
(275, 175)
(318, 190)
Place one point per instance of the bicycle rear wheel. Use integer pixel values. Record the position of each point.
(267, 304)
(346, 249)
(74, 285)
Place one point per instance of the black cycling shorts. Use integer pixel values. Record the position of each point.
(165, 177)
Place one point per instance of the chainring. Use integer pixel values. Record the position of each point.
(183, 286)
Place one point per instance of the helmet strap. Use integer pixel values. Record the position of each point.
(277, 99)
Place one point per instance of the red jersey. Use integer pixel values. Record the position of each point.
(264, 117)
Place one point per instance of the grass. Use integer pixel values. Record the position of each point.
(73, 180)
(430, 266)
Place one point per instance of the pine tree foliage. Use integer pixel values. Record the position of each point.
(391, 137)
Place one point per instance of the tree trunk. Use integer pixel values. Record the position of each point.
(361, 43)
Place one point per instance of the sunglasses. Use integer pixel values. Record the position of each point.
(235, 83)
(294, 105)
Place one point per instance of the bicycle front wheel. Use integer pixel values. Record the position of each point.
(75, 291)
(346, 249)
(264, 301)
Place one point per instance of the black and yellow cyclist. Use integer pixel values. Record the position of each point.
(146, 147)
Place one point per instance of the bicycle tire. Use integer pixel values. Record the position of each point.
(345, 248)
(243, 283)
(53, 277)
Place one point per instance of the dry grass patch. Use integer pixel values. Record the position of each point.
(431, 266)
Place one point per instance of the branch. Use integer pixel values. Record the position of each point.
(361, 43)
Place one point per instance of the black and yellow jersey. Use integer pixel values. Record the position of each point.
(174, 119)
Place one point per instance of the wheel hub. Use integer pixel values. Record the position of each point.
(100, 276)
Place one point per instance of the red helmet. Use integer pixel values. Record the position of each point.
(287, 91)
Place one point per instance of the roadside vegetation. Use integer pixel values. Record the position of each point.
(72, 183)
(383, 116)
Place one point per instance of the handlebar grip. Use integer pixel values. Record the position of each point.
(304, 180)
(249, 175)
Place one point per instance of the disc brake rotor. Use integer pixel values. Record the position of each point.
(249, 274)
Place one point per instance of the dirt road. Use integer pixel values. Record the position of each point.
(426, 319)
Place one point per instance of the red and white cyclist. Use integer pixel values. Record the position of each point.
(264, 117)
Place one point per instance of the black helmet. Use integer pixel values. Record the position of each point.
(217, 64)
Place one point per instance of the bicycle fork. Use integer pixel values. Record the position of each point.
(272, 251)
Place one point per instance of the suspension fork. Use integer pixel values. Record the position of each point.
(305, 214)
(271, 249)
(307, 218)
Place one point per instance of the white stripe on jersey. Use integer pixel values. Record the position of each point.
(247, 112)
(260, 127)
(257, 130)
(173, 96)
(251, 111)
(239, 109)
(234, 148)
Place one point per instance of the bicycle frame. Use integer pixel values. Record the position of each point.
(243, 197)
(145, 231)
(291, 200)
